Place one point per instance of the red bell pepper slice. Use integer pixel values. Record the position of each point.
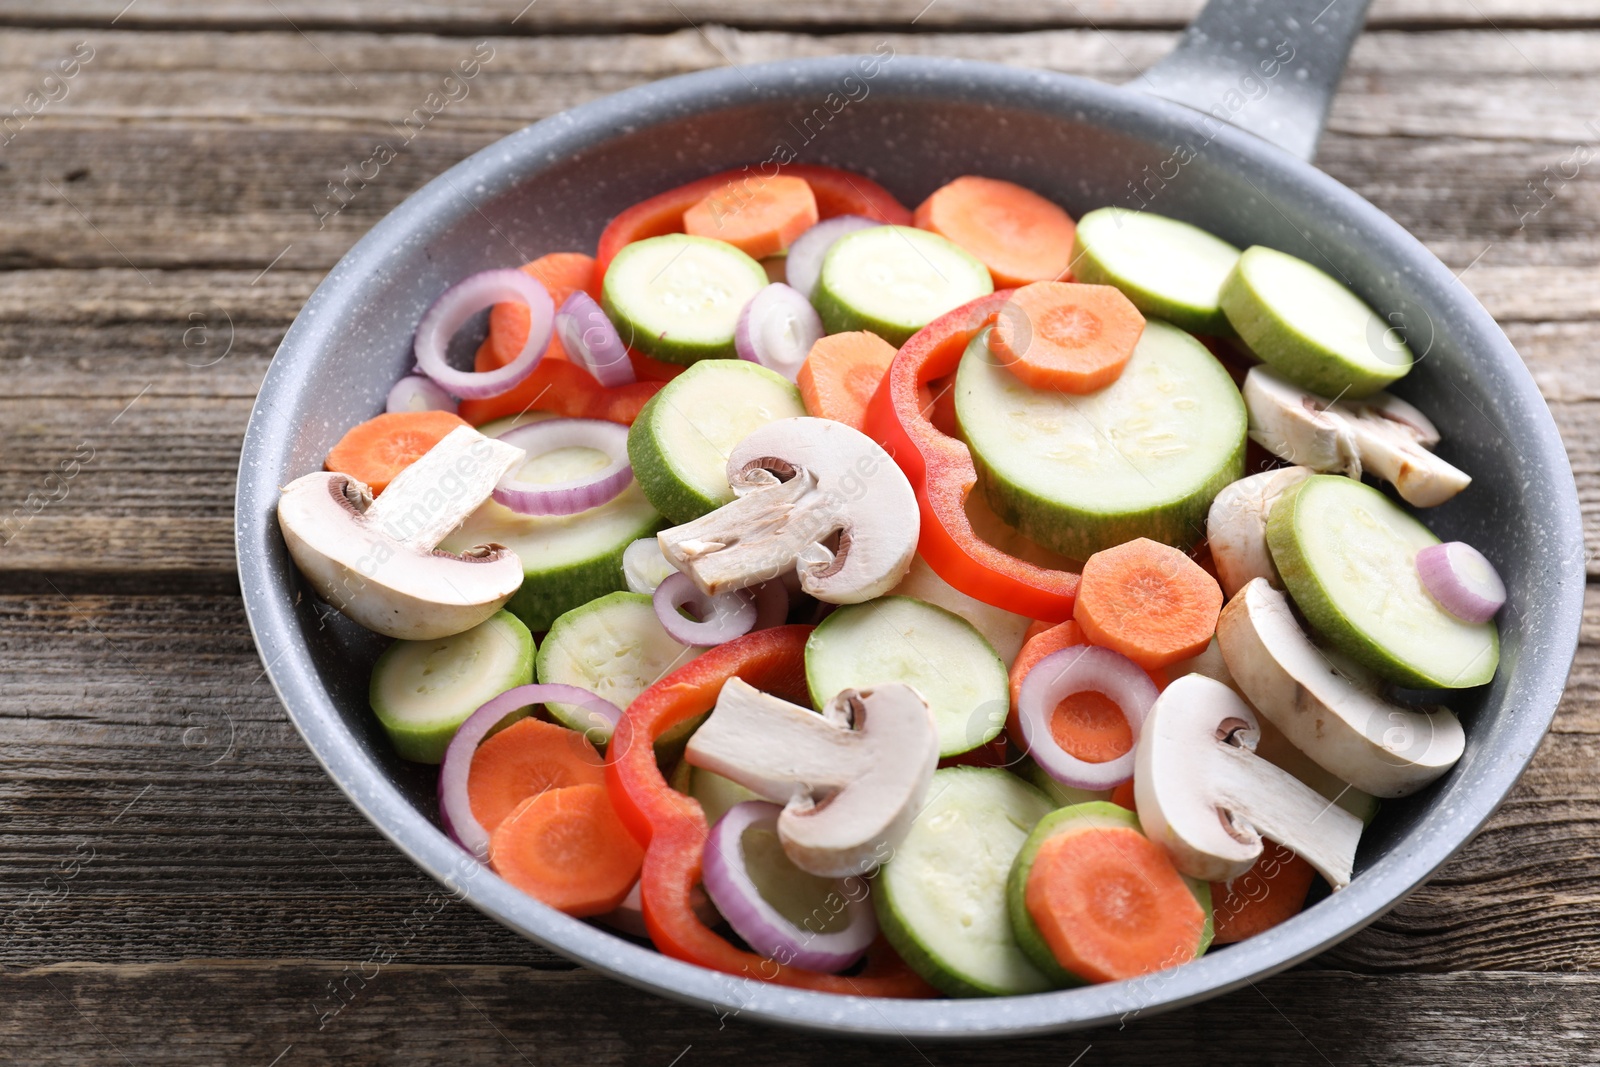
(561, 386)
(672, 827)
(838, 192)
(941, 471)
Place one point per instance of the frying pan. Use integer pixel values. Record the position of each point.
(1218, 134)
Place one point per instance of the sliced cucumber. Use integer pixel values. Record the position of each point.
(680, 442)
(1062, 796)
(715, 793)
(1078, 819)
(1348, 557)
(1169, 269)
(422, 691)
(1310, 327)
(497, 427)
(940, 654)
(613, 647)
(1142, 457)
(678, 297)
(644, 567)
(941, 898)
(1004, 630)
(567, 560)
(894, 280)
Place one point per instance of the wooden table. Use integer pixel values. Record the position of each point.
(179, 882)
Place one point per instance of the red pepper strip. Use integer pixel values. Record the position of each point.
(838, 192)
(672, 826)
(561, 386)
(941, 471)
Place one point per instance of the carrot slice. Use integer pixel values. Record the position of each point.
(1271, 891)
(1148, 601)
(840, 374)
(562, 274)
(560, 386)
(525, 759)
(1110, 904)
(1037, 627)
(1122, 796)
(1018, 234)
(761, 217)
(1064, 336)
(567, 848)
(380, 448)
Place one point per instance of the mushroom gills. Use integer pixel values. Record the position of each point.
(851, 779)
(1204, 794)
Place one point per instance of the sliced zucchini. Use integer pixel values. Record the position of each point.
(1142, 457)
(613, 647)
(680, 442)
(678, 298)
(894, 280)
(1310, 327)
(937, 652)
(421, 691)
(1348, 557)
(941, 898)
(1169, 269)
(1079, 818)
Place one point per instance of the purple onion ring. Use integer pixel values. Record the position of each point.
(462, 301)
(577, 494)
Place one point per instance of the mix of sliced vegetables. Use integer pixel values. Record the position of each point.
(876, 602)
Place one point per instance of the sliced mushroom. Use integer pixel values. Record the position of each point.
(376, 560)
(1393, 439)
(851, 779)
(1381, 434)
(1328, 707)
(1236, 527)
(1294, 425)
(1204, 795)
(811, 493)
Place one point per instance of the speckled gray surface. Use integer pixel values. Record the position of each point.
(921, 122)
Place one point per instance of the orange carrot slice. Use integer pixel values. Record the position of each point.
(1148, 601)
(525, 759)
(1037, 627)
(1064, 336)
(567, 848)
(562, 274)
(378, 449)
(1122, 796)
(759, 216)
(1273, 890)
(1018, 234)
(840, 374)
(1110, 904)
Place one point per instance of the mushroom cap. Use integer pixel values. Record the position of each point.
(382, 583)
(1204, 795)
(1236, 526)
(877, 518)
(1329, 708)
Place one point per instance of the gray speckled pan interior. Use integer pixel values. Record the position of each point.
(552, 187)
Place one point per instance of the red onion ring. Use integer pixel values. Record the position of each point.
(803, 265)
(1075, 670)
(721, 618)
(591, 341)
(1463, 582)
(455, 809)
(763, 927)
(777, 329)
(416, 393)
(577, 494)
(462, 301)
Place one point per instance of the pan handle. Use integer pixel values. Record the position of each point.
(1266, 66)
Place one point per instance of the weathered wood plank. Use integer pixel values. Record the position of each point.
(140, 733)
(225, 1012)
(566, 15)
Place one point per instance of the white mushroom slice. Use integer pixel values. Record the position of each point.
(797, 483)
(851, 779)
(1393, 439)
(1236, 526)
(1294, 425)
(1204, 795)
(1329, 708)
(375, 560)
